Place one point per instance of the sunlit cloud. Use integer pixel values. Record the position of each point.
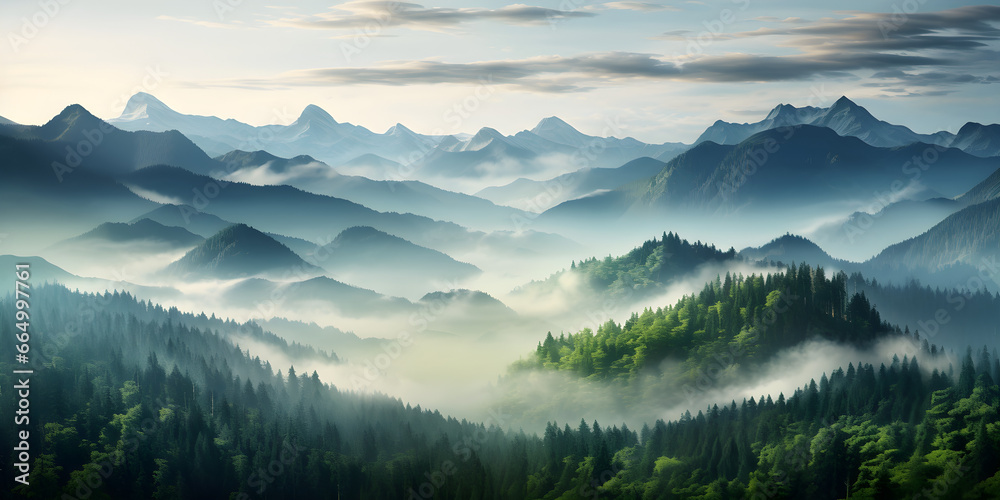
(639, 6)
(371, 15)
(197, 22)
(586, 71)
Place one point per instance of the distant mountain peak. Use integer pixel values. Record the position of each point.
(464, 294)
(140, 105)
(139, 230)
(971, 127)
(400, 129)
(378, 259)
(556, 130)
(313, 112)
(552, 122)
(240, 229)
(789, 248)
(489, 132)
(844, 102)
(144, 98)
(779, 110)
(793, 238)
(483, 138)
(71, 111)
(239, 251)
(258, 157)
(361, 232)
(72, 116)
(978, 139)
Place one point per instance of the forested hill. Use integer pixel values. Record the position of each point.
(131, 407)
(754, 317)
(645, 268)
(133, 404)
(889, 432)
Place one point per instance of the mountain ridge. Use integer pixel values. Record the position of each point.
(240, 251)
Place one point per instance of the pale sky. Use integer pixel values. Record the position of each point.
(653, 69)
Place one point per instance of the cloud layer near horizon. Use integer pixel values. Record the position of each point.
(938, 49)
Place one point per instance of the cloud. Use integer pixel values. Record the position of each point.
(932, 77)
(957, 29)
(896, 46)
(587, 71)
(204, 24)
(673, 35)
(377, 15)
(933, 50)
(773, 19)
(640, 6)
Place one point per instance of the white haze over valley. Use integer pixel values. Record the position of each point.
(453, 352)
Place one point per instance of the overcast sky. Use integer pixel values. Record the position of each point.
(657, 71)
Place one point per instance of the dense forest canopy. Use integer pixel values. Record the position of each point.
(137, 403)
(645, 268)
(754, 316)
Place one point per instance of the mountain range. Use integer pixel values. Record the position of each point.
(292, 212)
(537, 196)
(802, 167)
(309, 174)
(87, 142)
(306, 298)
(356, 149)
(369, 258)
(958, 251)
(848, 119)
(889, 222)
(136, 232)
(969, 237)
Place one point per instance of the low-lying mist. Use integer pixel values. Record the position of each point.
(536, 397)
(453, 351)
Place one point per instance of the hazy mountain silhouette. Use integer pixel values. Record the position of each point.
(370, 258)
(977, 139)
(292, 212)
(44, 271)
(538, 196)
(39, 270)
(789, 249)
(885, 225)
(317, 134)
(467, 311)
(145, 112)
(237, 159)
(787, 168)
(142, 230)
(969, 237)
(187, 217)
(87, 142)
(59, 206)
(308, 174)
(241, 251)
(530, 152)
(301, 297)
(844, 117)
(987, 190)
(314, 132)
